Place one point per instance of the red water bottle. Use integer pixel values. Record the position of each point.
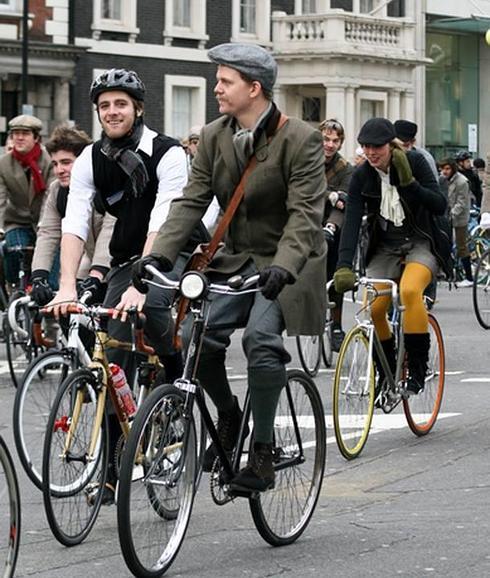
(123, 391)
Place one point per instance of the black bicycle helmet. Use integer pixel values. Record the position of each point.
(118, 79)
(462, 156)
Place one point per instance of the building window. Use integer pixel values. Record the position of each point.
(251, 21)
(308, 6)
(365, 6)
(311, 109)
(342, 5)
(185, 104)
(185, 19)
(115, 16)
(8, 4)
(182, 13)
(396, 8)
(248, 15)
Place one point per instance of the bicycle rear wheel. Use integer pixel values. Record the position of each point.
(327, 351)
(9, 513)
(157, 483)
(481, 290)
(309, 351)
(282, 514)
(18, 345)
(33, 402)
(353, 394)
(421, 410)
(72, 478)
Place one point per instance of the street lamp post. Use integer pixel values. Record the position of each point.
(25, 51)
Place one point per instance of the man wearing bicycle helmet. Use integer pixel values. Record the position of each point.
(401, 195)
(276, 230)
(137, 172)
(25, 175)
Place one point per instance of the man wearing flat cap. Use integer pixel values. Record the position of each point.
(401, 197)
(406, 131)
(25, 174)
(276, 231)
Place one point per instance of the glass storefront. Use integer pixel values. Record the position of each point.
(451, 91)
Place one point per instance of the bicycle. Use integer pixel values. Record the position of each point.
(355, 394)
(160, 463)
(481, 290)
(75, 454)
(35, 394)
(9, 512)
(312, 349)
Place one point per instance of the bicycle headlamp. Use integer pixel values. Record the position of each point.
(193, 285)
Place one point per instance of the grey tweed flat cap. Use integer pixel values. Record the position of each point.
(249, 59)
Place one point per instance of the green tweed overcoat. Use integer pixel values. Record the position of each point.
(279, 221)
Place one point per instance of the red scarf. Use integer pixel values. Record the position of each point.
(30, 160)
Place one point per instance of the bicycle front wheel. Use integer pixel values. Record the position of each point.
(353, 394)
(481, 290)
(282, 514)
(309, 351)
(9, 512)
(74, 476)
(157, 483)
(421, 410)
(33, 402)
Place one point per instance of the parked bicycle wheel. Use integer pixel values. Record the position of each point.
(33, 402)
(282, 514)
(327, 351)
(353, 394)
(18, 343)
(9, 513)
(310, 352)
(72, 479)
(481, 290)
(157, 483)
(421, 410)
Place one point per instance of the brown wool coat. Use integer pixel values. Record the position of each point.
(19, 205)
(278, 222)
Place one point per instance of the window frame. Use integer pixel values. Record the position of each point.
(262, 33)
(197, 28)
(127, 23)
(198, 110)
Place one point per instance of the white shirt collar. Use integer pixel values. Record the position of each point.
(146, 140)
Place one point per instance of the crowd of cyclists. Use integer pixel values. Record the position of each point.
(99, 212)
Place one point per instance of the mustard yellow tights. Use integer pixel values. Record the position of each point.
(414, 280)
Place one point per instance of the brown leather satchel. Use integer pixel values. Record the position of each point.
(204, 252)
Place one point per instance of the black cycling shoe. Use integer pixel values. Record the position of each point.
(338, 336)
(258, 475)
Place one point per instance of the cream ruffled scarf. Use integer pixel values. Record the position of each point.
(391, 207)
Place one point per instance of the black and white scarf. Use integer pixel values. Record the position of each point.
(123, 152)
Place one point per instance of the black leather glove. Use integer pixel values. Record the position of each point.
(329, 231)
(41, 291)
(95, 287)
(139, 269)
(272, 281)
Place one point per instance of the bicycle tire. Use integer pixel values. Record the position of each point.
(149, 539)
(33, 402)
(72, 487)
(481, 290)
(309, 352)
(19, 350)
(353, 394)
(327, 351)
(282, 513)
(421, 410)
(10, 518)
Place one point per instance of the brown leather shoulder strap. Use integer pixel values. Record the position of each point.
(237, 197)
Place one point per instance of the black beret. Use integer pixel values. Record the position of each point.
(405, 130)
(377, 132)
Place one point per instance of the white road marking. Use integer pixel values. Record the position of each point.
(475, 380)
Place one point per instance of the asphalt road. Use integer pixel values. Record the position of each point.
(406, 507)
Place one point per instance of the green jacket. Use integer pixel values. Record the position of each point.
(278, 222)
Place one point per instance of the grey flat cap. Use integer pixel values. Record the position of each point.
(26, 122)
(249, 59)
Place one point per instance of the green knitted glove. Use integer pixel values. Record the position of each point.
(400, 162)
(344, 279)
